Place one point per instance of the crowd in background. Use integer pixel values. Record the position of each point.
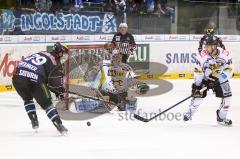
(138, 14)
(139, 6)
(159, 7)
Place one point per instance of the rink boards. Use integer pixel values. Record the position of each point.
(176, 52)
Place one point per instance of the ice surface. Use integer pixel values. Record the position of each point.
(109, 137)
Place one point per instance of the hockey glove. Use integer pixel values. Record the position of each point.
(196, 91)
(130, 51)
(142, 88)
(60, 96)
(212, 82)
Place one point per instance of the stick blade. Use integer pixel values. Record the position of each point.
(138, 117)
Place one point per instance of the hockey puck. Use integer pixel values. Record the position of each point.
(88, 123)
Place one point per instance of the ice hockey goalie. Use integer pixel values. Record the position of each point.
(113, 79)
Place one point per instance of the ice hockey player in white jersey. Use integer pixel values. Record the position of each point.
(113, 79)
(213, 70)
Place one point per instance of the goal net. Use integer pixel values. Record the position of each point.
(82, 58)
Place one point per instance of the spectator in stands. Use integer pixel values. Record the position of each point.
(217, 31)
(141, 6)
(110, 6)
(78, 3)
(65, 2)
(162, 9)
(120, 5)
(158, 10)
(38, 4)
(121, 10)
(163, 1)
(49, 5)
(43, 5)
(150, 5)
(131, 6)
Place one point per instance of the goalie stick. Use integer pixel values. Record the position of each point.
(138, 117)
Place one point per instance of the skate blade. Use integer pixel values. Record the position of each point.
(35, 130)
(224, 124)
(64, 133)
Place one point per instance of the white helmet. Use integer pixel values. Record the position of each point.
(124, 25)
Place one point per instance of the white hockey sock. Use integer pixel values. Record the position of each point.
(195, 102)
(223, 109)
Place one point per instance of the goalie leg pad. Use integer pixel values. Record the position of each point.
(83, 105)
(131, 104)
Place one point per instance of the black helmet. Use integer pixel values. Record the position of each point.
(211, 40)
(59, 49)
(210, 31)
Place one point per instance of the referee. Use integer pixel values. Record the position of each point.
(124, 41)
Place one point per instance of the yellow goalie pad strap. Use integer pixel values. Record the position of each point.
(103, 78)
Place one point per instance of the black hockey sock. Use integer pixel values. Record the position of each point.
(30, 109)
(53, 115)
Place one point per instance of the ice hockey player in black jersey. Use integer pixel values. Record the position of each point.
(124, 41)
(31, 81)
(209, 33)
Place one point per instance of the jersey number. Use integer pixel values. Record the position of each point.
(36, 59)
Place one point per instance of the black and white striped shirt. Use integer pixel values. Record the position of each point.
(125, 43)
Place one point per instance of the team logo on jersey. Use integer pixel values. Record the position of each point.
(117, 38)
(116, 73)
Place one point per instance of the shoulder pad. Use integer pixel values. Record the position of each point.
(203, 53)
(224, 52)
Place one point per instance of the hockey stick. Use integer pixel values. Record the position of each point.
(138, 117)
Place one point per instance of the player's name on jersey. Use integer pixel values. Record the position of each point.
(28, 66)
(28, 74)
